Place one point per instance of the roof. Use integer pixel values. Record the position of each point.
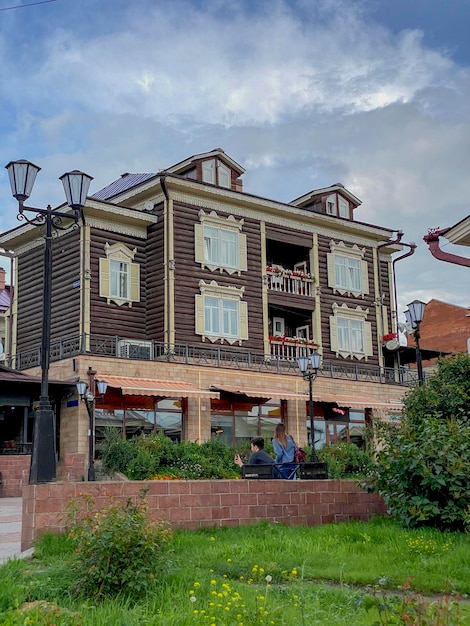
(459, 233)
(9, 375)
(127, 181)
(183, 165)
(307, 197)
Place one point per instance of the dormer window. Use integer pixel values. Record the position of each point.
(337, 205)
(216, 173)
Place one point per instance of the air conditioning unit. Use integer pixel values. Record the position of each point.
(134, 349)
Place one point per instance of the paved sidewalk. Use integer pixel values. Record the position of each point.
(10, 527)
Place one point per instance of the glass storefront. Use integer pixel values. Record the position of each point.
(166, 418)
(238, 422)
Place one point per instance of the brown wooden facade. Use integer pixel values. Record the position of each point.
(155, 223)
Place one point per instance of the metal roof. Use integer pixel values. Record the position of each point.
(127, 181)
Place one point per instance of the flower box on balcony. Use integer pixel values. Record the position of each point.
(275, 270)
(295, 340)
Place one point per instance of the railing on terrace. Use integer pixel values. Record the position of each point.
(290, 348)
(213, 356)
(289, 283)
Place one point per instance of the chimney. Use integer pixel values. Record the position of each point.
(2, 278)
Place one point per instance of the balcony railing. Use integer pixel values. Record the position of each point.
(290, 348)
(290, 282)
(212, 356)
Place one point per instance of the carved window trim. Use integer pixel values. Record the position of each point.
(223, 295)
(340, 251)
(348, 316)
(221, 225)
(121, 253)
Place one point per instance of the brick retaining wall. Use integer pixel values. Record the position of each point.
(205, 503)
(14, 470)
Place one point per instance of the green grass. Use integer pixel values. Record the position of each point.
(316, 576)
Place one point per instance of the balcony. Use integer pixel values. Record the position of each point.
(290, 348)
(292, 282)
(212, 356)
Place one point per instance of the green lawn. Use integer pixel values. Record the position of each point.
(266, 574)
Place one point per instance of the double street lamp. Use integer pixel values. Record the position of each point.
(22, 175)
(414, 316)
(87, 394)
(309, 366)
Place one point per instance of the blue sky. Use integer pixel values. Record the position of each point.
(374, 94)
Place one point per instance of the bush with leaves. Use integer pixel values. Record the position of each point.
(156, 456)
(118, 550)
(445, 394)
(345, 460)
(423, 473)
(423, 463)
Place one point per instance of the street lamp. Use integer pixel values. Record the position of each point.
(87, 395)
(309, 366)
(414, 316)
(22, 175)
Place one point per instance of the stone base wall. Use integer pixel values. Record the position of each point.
(206, 503)
(14, 470)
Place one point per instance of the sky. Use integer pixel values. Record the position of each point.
(303, 94)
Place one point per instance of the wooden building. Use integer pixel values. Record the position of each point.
(193, 300)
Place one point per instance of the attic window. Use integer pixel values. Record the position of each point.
(216, 173)
(337, 205)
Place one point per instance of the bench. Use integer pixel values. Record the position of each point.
(306, 471)
(260, 471)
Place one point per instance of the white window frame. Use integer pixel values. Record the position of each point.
(347, 270)
(331, 205)
(208, 171)
(120, 285)
(220, 244)
(279, 326)
(119, 279)
(350, 333)
(224, 178)
(343, 207)
(221, 313)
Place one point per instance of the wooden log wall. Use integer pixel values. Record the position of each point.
(188, 273)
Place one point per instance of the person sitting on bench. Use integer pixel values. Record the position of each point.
(258, 456)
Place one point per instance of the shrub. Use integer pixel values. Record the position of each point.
(423, 472)
(345, 460)
(117, 550)
(117, 452)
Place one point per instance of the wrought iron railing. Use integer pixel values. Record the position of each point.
(210, 355)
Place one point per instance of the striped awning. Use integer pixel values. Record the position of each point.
(275, 394)
(155, 387)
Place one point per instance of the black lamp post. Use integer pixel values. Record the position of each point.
(22, 176)
(89, 398)
(309, 366)
(414, 316)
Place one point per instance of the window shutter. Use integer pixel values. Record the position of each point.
(385, 320)
(104, 278)
(242, 255)
(364, 277)
(368, 338)
(135, 282)
(243, 320)
(333, 334)
(199, 243)
(199, 309)
(330, 258)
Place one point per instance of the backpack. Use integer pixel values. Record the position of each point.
(300, 455)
